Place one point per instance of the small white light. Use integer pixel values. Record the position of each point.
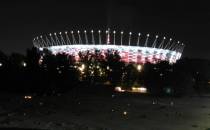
(24, 64)
(99, 31)
(130, 33)
(178, 42)
(125, 113)
(28, 97)
(1, 64)
(41, 36)
(121, 32)
(139, 67)
(55, 34)
(60, 33)
(156, 36)
(170, 39)
(66, 32)
(164, 38)
(50, 34)
(91, 31)
(114, 32)
(139, 34)
(85, 31)
(106, 31)
(147, 35)
(72, 32)
(78, 31)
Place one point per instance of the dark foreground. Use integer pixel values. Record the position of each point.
(78, 110)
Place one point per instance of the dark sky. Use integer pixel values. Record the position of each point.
(187, 21)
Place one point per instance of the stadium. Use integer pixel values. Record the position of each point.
(132, 47)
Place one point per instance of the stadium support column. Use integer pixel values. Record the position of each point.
(86, 37)
(174, 45)
(79, 37)
(162, 43)
(129, 40)
(114, 36)
(62, 40)
(169, 42)
(139, 34)
(67, 39)
(56, 39)
(47, 41)
(93, 40)
(121, 38)
(182, 48)
(42, 41)
(52, 40)
(99, 36)
(146, 42)
(73, 38)
(108, 36)
(155, 42)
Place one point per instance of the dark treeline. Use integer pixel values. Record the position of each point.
(47, 73)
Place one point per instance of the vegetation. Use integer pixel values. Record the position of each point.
(47, 73)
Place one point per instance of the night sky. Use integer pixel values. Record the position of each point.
(188, 22)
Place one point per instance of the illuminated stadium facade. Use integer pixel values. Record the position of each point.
(133, 48)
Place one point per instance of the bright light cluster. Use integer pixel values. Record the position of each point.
(128, 53)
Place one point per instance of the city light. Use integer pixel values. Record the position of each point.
(119, 89)
(27, 97)
(139, 89)
(1, 64)
(125, 113)
(82, 67)
(24, 64)
(107, 68)
(139, 67)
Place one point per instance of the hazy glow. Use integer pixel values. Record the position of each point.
(28, 97)
(119, 89)
(139, 90)
(128, 54)
(139, 67)
(24, 64)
